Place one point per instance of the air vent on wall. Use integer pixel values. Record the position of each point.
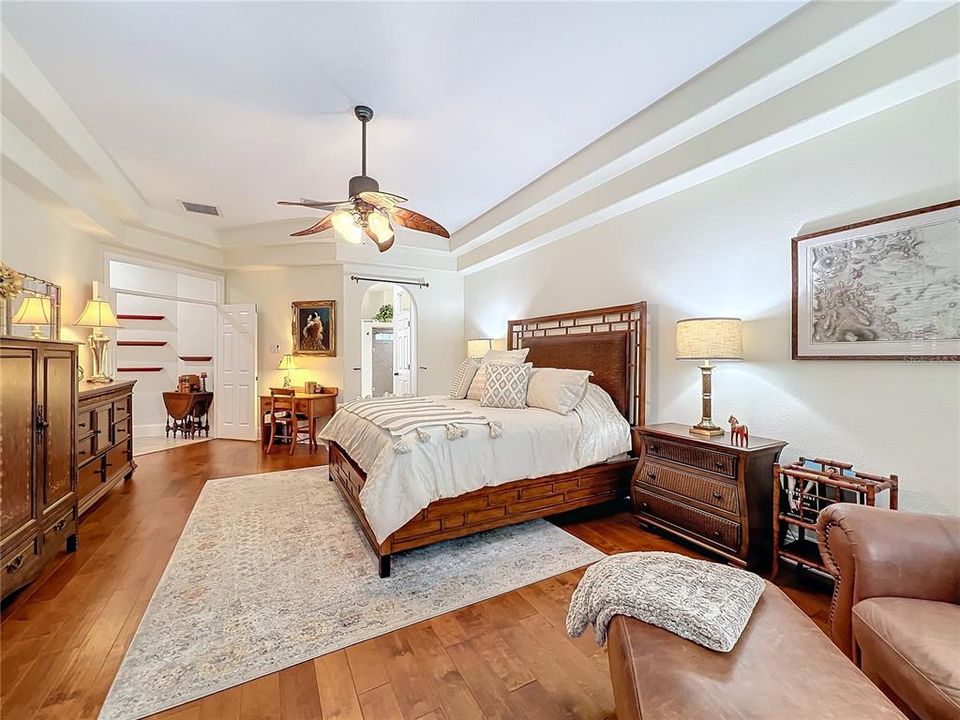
(200, 208)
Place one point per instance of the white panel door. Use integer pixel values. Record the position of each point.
(237, 378)
(401, 354)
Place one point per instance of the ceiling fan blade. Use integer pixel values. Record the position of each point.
(314, 204)
(416, 221)
(382, 200)
(324, 224)
(382, 246)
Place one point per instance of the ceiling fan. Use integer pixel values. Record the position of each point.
(368, 211)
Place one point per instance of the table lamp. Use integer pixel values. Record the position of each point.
(477, 347)
(287, 363)
(34, 310)
(708, 339)
(97, 314)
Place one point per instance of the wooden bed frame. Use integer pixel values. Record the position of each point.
(611, 342)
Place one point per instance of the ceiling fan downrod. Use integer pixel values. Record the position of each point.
(364, 114)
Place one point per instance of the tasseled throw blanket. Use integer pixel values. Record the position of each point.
(701, 601)
(405, 417)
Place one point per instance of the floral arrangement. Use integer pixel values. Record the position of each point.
(11, 282)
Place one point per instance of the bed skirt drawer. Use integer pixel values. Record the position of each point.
(713, 528)
(715, 493)
(711, 460)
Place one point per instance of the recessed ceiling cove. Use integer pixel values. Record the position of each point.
(243, 103)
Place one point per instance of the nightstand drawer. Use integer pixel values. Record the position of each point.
(698, 457)
(716, 529)
(716, 493)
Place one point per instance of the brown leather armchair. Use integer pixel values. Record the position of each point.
(896, 602)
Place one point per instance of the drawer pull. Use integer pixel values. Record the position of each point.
(651, 474)
(716, 533)
(718, 496)
(719, 465)
(15, 564)
(59, 525)
(82, 453)
(81, 424)
(97, 432)
(655, 448)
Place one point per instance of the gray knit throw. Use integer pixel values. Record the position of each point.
(701, 601)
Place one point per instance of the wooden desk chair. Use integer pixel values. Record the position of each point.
(282, 413)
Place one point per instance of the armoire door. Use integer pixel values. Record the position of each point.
(18, 508)
(58, 382)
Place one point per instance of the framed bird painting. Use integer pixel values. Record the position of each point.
(315, 327)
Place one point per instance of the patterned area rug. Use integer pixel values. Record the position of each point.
(272, 570)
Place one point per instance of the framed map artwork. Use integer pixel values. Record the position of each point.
(884, 289)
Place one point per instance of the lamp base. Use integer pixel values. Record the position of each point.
(706, 430)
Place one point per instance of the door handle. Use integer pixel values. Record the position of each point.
(41, 423)
(423, 367)
(358, 369)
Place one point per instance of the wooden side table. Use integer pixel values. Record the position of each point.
(707, 490)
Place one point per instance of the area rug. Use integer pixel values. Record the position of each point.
(272, 570)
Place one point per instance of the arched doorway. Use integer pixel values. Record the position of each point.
(388, 323)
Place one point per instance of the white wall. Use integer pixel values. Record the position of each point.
(723, 248)
(439, 327)
(273, 289)
(36, 240)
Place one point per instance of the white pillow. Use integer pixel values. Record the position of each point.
(557, 390)
(506, 386)
(462, 379)
(501, 357)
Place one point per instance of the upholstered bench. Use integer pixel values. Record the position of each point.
(783, 666)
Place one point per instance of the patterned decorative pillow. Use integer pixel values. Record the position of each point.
(462, 379)
(506, 386)
(502, 357)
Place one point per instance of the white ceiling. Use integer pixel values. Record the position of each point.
(242, 104)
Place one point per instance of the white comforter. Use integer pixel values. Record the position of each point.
(534, 443)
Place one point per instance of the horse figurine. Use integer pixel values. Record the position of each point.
(739, 433)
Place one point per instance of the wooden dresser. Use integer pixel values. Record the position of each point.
(104, 435)
(38, 502)
(712, 493)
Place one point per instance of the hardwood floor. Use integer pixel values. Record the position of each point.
(63, 638)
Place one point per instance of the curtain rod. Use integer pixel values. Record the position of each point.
(395, 281)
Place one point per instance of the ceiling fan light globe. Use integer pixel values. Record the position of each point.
(342, 220)
(377, 223)
(352, 234)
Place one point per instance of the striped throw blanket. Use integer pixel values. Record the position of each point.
(405, 417)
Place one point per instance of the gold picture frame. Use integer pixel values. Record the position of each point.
(314, 327)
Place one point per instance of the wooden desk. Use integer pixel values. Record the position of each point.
(313, 406)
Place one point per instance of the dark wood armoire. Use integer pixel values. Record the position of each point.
(38, 469)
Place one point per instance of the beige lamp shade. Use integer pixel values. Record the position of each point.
(478, 347)
(287, 363)
(97, 313)
(709, 339)
(34, 310)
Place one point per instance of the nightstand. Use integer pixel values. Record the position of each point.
(707, 491)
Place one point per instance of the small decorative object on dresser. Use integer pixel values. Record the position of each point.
(708, 339)
(104, 439)
(707, 491)
(739, 433)
(806, 487)
(38, 479)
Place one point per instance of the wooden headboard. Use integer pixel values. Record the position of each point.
(611, 342)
